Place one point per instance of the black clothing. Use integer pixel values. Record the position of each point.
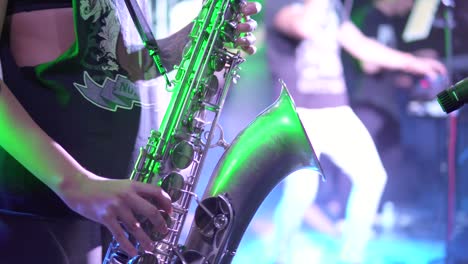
(84, 100)
(53, 241)
(377, 91)
(17, 6)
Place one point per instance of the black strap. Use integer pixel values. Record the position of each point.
(144, 30)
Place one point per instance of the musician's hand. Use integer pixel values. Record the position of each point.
(426, 66)
(113, 203)
(246, 41)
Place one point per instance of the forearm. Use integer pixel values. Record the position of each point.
(379, 55)
(297, 21)
(22, 138)
(371, 52)
(173, 46)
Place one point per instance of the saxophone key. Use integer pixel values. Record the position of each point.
(157, 235)
(182, 155)
(145, 258)
(172, 184)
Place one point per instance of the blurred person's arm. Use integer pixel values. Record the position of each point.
(296, 20)
(378, 56)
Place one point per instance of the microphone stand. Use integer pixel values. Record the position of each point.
(449, 25)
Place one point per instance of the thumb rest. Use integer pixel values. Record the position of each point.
(271, 147)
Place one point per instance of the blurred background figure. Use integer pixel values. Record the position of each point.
(373, 97)
(422, 148)
(383, 99)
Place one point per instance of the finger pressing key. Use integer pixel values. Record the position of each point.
(120, 236)
(148, 211)
(251, 8)
(247, 26)
(158, 233)
(247, 40)
(133, 227)
(160, 198)
(250, 49)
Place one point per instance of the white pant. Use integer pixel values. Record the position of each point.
(340, 134)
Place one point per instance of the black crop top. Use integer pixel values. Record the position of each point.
(85, 100)
(17, 6)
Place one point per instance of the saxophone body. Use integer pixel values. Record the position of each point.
(271, 147)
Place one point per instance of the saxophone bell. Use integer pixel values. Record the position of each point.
(273, 146)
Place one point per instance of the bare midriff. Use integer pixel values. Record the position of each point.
(41, 36)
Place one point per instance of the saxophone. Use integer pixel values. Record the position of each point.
(274, 145)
